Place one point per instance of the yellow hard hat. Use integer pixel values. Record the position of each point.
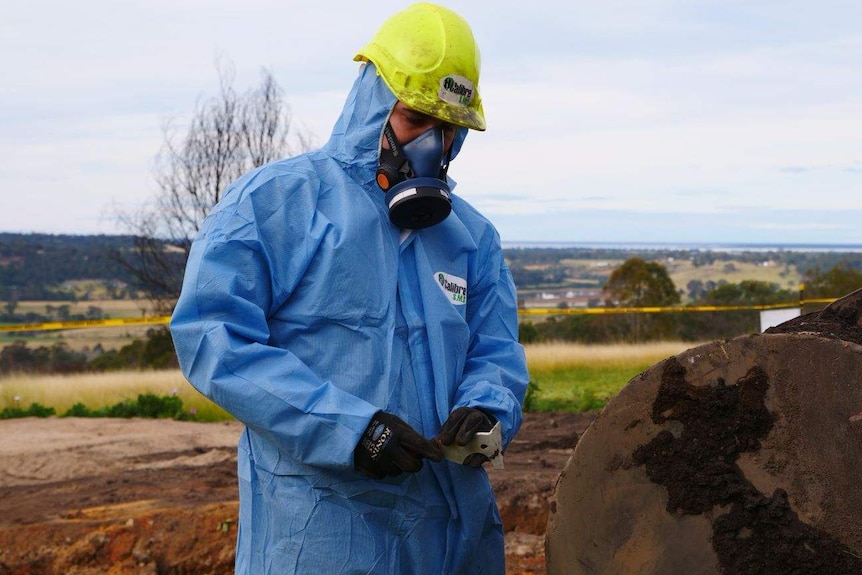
(428, 57)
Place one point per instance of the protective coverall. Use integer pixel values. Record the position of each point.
(304, 311)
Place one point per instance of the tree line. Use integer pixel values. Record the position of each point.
(636, 283)
(42, 267)
(156, 351)
(641, 283)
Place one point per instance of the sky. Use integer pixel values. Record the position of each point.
(680, 121)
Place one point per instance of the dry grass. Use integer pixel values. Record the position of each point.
(553, 356)
(96, 390)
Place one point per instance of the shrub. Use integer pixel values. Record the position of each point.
(78, 410)
(35, 410)
(146, 405)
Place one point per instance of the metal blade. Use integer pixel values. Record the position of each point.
(488, 443)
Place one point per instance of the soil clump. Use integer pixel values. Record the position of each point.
(760, 534)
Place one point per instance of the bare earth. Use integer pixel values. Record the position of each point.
(117, 496)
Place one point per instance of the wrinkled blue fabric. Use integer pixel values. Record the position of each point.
(303, 312)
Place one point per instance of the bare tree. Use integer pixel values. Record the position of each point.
(229, 134)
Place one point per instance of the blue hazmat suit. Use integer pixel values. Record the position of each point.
(304, 311)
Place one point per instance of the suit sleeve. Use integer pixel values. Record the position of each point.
(222, 340)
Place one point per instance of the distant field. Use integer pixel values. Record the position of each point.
(111, 307)
(109, 337)
(78, 339)
(682, 272)
(595, 266)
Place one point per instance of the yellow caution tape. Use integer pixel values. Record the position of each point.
(85, 323)
(665, 309)
(165, 319)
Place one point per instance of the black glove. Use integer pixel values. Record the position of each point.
(463, 424)
(390, 446)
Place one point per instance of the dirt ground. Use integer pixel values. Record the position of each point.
(94, 496)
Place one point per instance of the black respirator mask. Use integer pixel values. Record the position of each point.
(414, 179)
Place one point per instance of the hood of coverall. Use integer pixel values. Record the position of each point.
(355, 139)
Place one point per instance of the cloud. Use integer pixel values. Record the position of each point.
(801, 226)
(797, 169)
(854, 168)
(745, 226)
(710, 110)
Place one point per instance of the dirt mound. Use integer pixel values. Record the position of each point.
(735, 457)
(840, 320)
(140, 537)
(88, 496)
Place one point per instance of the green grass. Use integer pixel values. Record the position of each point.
(576, 377)
(581, 388)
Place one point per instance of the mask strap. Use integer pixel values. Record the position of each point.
(394, 146)
(444, 169)
(393, 164)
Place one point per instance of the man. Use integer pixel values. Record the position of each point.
(356, 331)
